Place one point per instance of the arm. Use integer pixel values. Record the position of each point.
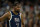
(22, 20)
(6, 15)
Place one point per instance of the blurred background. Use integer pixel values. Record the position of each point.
(29, 8)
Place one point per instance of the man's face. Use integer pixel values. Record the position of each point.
(17, 8)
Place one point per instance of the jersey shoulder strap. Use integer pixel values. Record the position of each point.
(20, 15)
(11, 15)
(10, 19)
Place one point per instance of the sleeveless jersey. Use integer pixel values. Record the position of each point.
(15, 20)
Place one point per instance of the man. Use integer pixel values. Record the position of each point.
(15, 18)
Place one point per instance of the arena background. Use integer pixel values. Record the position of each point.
(29, 8)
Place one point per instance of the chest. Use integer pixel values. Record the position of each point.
(15, 18)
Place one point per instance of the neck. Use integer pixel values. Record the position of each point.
(15, 13)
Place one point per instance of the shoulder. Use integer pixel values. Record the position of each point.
(21, 15)
(7, 14)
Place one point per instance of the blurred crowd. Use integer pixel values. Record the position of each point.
(29, 8)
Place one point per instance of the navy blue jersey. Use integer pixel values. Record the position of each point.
(15, 20)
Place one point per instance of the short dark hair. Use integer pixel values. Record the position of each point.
(15, 4)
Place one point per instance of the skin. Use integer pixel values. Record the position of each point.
(1, 25)
(8, 14)
(5, 25)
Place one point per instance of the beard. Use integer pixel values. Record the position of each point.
(17, 11)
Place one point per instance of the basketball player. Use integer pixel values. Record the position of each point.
(15, 17)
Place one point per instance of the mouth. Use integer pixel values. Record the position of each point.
(17, 11)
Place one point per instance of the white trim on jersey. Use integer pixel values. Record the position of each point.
(10, 20)
(20, 15)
